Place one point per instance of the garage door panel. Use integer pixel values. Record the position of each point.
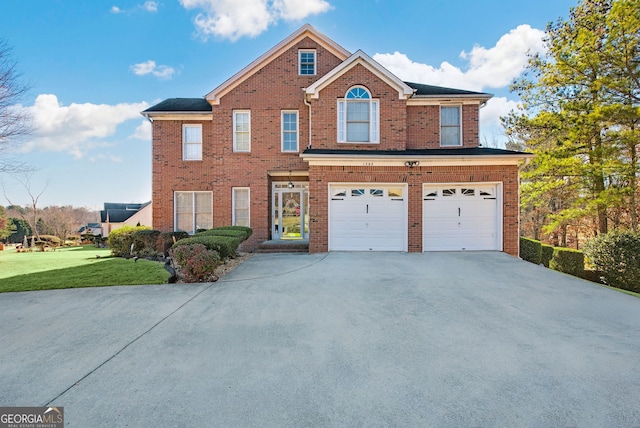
(460, 217)
(368, 218)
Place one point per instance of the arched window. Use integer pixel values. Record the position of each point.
(358, 117)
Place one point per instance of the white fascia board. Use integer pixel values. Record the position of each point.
(306, 30)
(404, 90)
(424, 161)
(177, 115)
(432, 100)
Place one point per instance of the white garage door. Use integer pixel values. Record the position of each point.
(366, 217)
(461, 217)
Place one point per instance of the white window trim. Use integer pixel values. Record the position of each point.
(459, 106)
(282, 113)
(185, 143)
(233, 205)
(374, 120)
(193, 209)
(315, 61)
(235, 147)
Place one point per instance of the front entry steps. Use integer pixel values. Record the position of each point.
(284, 246)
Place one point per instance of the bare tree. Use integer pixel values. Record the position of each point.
(30, 216)
(15, 121)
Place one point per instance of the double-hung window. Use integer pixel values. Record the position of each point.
(191, 142)
(450, 126)
(307, 62)
(358, 117)
(289, 131)
(241, 131)
(193, 211)
(241, 205)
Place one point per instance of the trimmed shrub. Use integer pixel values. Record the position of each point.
(170, 238)
(247, 230)
(120, 240)
(148, 241)
(196, 262)
(531, 250)
(241, 235)
(50, 240)
(568, 261)
(616, 256)
(547, 254)
(226, 246)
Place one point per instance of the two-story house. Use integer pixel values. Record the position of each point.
(312, 142)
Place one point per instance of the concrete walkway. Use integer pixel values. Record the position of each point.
(339, 339)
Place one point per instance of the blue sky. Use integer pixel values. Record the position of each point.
(94, 65)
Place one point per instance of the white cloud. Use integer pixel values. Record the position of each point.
(142, 131)
(487, 68)
(150, 67)
(490, 126)
(233, 19)
(76, 128)
(150, 6)
(495, 67)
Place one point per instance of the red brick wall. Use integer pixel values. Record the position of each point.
(423, 127)
(393, 112)
(275, 87)
(320, 176)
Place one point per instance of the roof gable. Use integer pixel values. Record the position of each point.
(306, 30)
(360, 58)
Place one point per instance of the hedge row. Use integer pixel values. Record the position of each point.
(225, 246)
(531, 250)
(561, 259)
(568, 261)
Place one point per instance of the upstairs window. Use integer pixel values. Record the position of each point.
(290, 131)
(307, 62)
(241, 131)
(450, 126)
(358, 117)
(191, 142)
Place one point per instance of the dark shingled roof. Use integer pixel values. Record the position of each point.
(118, 213)
(463, 151)
(422, 89)
(180, 105)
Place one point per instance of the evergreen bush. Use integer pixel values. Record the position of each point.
(120, 240)
(226, 246)
(531, 250)
(616, 256)
(568, 260)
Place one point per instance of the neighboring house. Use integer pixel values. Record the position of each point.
(310, 141)
(116, 215)
(91, 228)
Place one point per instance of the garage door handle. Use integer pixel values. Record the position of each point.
(458, 211)
(489, 198)
(367, 208)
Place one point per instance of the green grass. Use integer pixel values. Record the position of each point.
(86, 266)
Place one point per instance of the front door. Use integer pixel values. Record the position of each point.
(290, 219)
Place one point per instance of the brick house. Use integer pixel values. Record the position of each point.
(313, 143)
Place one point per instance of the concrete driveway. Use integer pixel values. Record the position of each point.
(339, 339)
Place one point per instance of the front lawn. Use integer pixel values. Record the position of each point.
(85, 266)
